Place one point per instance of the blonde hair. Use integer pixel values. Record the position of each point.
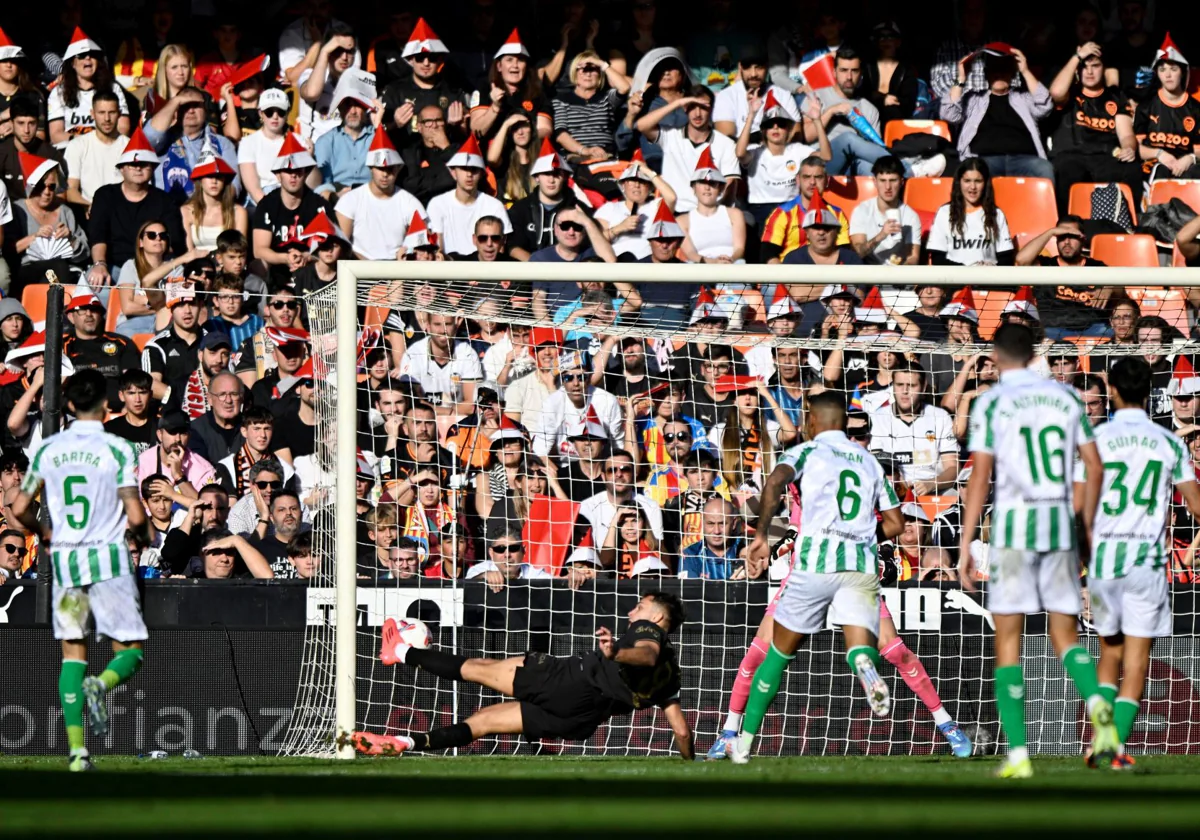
(160, 71)
(583, 58)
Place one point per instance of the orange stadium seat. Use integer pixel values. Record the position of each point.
(1028, 204)
(849, 191)
(1169, 304)
(1135, 250)
(1080, 203)
(142, 339)
(33, 298)
(902, 128)
(927, 194)
(1188, 191)
(991, 303)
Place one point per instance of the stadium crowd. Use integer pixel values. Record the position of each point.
(192, 171)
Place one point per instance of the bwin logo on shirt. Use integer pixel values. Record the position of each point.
(964, 243)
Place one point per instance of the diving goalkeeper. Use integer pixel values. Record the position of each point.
(565, 697)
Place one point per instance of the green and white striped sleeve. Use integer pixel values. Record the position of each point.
(123, 454)
(33, 478)
(982, 431)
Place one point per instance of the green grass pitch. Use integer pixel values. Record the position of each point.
(578, 797)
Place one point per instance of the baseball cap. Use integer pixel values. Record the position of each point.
(174, 421)
(215, 339)
(273, 98)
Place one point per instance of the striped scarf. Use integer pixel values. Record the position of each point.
(195, 395)
(417, 519)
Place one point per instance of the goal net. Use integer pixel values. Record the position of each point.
(465, 411)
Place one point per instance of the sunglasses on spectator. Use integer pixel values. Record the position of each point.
(206, 273)
(49, 186)
(571, 377)
(18, 550)
(624, 468)
(425, 57)
(154, 235)
(268, 485)
(274, 112)
(509, 548)
(490, 237)
(574, 227)
(589, 68)
(304, 383)
(671, 437)
(1077, 237)
(285, 304)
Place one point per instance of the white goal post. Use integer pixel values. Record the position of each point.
(354, 279)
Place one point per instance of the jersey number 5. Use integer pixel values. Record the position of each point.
(75, 495)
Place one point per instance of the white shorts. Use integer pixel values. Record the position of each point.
(1025, 582)
(1138, 604)
(113, 603)
(850, 597)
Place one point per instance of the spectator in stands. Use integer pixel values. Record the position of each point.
(23, 398)
(512, 88)
(890, 83)
(784, 231)
(666, 442)
(172, 73)
(217, 433)
(322, 67)
(626, 223)
(283, 215)
(85, 70)
(447, 369)
(258, 152)
(139, 289)
(220, 66)
(1077, 309)
(785, 378)
(1123, 319)
(742, 102)
(916, 437)
(1188, 240)
(304, 562)
(973, 32)
(225, 555)
(682, 147)
(714, 234)
(928, 315)
(854, 150)
(772, 166)
(822, 231)
(181, 134)
(375, 216)
(571, 228)
(173, 354)
(285, 522)
(746, 437)
(721, 553)
(630, 542)
(23, 111)
(1000, 124)
(120, 210)
(524, 398)
(15, 325)
(682, 512)
(265, 478)
(404, 560)
(90, 347)
(533, 217)
(885, 230)
(257, 431)
(230, 314)
(706, 401)
(452, 214)
(506, 450)
(171, 457)
(91, 159)
(375, 560)
(1166, 124)
(136, 422)
(407, 95)
(575, 404)
(600, 511)
(12, 554)
(1094, 392)
(586, 118)
(426, 160)
(976, 376)
(419, 450)
(46, 233)
(971, 229)
(341, 152)
(207, 512)
(297, 417)
(1095, 139)
(506, 555)
(212, 208)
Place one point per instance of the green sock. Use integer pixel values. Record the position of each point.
(1109, 692)
(764, 688)
(70, 691)
(124, 664)
(853, 653)
(1125, 712)
(1082, 671)
(1010, 702)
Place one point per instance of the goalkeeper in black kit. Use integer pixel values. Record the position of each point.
(554, 697)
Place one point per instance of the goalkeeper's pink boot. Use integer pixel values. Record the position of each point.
(388, 652)
(370, 743)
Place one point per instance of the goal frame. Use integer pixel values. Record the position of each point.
(351, 272)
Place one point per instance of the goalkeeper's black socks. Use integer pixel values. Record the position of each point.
(448, 666)
(448, 737)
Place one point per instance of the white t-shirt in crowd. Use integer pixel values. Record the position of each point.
(868, 220)
(731, 106)
(380, 224)
(435, 378)
(314, 120)
(78, 120)
(294, 42)
(916, 447)
(634, 241)
(261, 150)
(972, 246)
(455, 222)
(93, 161)
(679, 162)
(771, 178)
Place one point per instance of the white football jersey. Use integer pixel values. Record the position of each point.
(1033, 427)
(81, 469)
(917, 446)
(841, 486)
(1142, 463)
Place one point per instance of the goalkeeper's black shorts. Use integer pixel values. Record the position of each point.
(557, 700)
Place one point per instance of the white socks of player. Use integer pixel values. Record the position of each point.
(733, 723)
(402, 650)
(941, 716)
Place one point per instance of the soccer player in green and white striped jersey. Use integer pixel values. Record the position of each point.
(87, 480)
(835, 563)
(1027, 429)
(1131, 599)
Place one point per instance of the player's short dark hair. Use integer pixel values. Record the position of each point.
(828, 402)
(135, 378)
(86, 391)
(1130, 377)
(13, 458)
(1014, 341)
(669, 601)
(257, 414)
(144, 487)
(888, 165)
(106, 96)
